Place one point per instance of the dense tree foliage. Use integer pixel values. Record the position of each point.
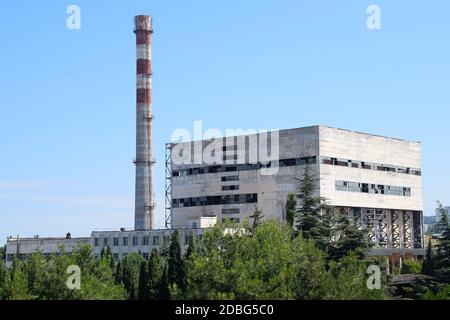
(271, 264)
(348, 238)
(442, 260)
(290, 209)
(269, 260)
(314, 215)
(428, 263)
(46, 278)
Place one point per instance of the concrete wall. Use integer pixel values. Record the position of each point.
(345, 144)
(271, 187)
(46, 246)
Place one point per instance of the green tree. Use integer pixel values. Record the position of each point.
(314, 214)
(175, 262)
(192, 248)
(18, 287)
(98, 283)
(442, 294)
(163, 291)
(411, 267)
(35, 269)
(443, 249)
(106, 253)
(118, 274)
(348, 238)
(131, 267)
(143, 293)
(257, 217)
(154, 275)
(52, 284)
(428, 263)
(350, 281)
(290, 208)
(4, 275)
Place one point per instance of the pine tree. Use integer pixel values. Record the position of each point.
(257, 217)
(443, 249)
(143, 281)
(314, 214)
(291, 204)
(154, 275)
(175, 261)
(428, 264)
(349, 239)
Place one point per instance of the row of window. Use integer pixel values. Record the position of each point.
(370, 166)
(215, 200)
(373, 188)
(230, 211)
(135, 241)
(25, 256)
(230, 178)
(244, 167)
(233, 220)
(229, 188)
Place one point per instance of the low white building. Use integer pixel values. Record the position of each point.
(22, 248)
(122, 242)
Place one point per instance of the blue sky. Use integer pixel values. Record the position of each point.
(67, 97)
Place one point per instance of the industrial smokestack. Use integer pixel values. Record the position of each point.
(144, 199)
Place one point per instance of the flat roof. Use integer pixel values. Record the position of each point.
(306, 127)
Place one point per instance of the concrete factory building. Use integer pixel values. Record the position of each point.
(377, 180)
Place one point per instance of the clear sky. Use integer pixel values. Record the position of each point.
(67, 97)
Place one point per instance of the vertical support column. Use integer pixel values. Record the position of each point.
(168, 186)
(407, 230)
(144, 199)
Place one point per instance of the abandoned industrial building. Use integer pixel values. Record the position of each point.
(377, 180)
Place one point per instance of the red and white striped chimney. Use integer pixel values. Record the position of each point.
(144, 198)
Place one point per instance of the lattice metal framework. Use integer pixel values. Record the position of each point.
(395, 227)
(168, 186)
(389, 228)
(417, 228)
(407, 229)
(381, 220)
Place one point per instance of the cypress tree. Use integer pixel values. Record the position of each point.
(175, 261)
(143, 280)
(118, 275)
(163, 292)
(428, 263)
(191, 246)
(291, 204)
(154, 275)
